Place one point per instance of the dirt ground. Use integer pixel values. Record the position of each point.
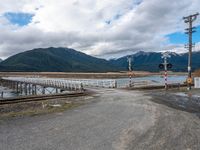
(179, 99)
(41, 107)
(113, 119)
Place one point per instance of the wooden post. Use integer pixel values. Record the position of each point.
(25, 88)
(43, 90)
(2, 94)
(32, 90)
(17, 88)
(21, 88)
(29, 88)
(35, 89)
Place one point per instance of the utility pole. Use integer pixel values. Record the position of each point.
(189, 20)
(129, 59)
(165, 56)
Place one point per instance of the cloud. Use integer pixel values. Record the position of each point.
(98, 27)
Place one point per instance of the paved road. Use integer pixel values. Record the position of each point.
(116, 119)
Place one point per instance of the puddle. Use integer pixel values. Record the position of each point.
(187, 95)
(88, 97)
(55, 105)
(181, 94)
(179, 101)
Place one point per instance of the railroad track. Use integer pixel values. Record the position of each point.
(39, 98)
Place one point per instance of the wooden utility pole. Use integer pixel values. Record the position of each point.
(189, 20)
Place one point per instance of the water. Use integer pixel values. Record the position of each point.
(7, 92)
(153, 80)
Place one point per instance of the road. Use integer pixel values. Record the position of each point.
(114, 119)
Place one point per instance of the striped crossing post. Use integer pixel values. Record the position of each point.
(130, 70)
(165, 56)
(165, 79)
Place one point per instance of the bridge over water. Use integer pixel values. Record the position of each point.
(38, 86)
(41, 86)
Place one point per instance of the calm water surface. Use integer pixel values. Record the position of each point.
(156, 79)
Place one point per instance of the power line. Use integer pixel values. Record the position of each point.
(190, 30)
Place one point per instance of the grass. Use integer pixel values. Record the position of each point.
(47, 110)
(197, 73)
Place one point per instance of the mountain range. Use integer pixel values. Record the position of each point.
(149, 61)
(69, 60)
(55, 60)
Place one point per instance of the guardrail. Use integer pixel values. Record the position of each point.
(104, 83)
(137, 83)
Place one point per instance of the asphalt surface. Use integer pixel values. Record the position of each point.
(114, 119)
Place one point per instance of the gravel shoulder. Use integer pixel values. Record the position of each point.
(114, 119)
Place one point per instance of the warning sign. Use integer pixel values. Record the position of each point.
(189, 80)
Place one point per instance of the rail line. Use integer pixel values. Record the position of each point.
(40, 98)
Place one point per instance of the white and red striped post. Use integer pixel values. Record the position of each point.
(165, 79)
(130, 71)
(165, 56)
(130, 79)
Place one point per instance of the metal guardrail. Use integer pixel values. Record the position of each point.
(139, 83)
(104, 83)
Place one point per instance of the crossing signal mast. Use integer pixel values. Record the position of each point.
(165, 56)
(165, 65)
(189, 20)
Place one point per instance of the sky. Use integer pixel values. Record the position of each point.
(101, 28)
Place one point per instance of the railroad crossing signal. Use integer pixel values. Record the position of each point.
(169, 66)
(161, 66)
(129, 59)
(189, 80)
(165, 65)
